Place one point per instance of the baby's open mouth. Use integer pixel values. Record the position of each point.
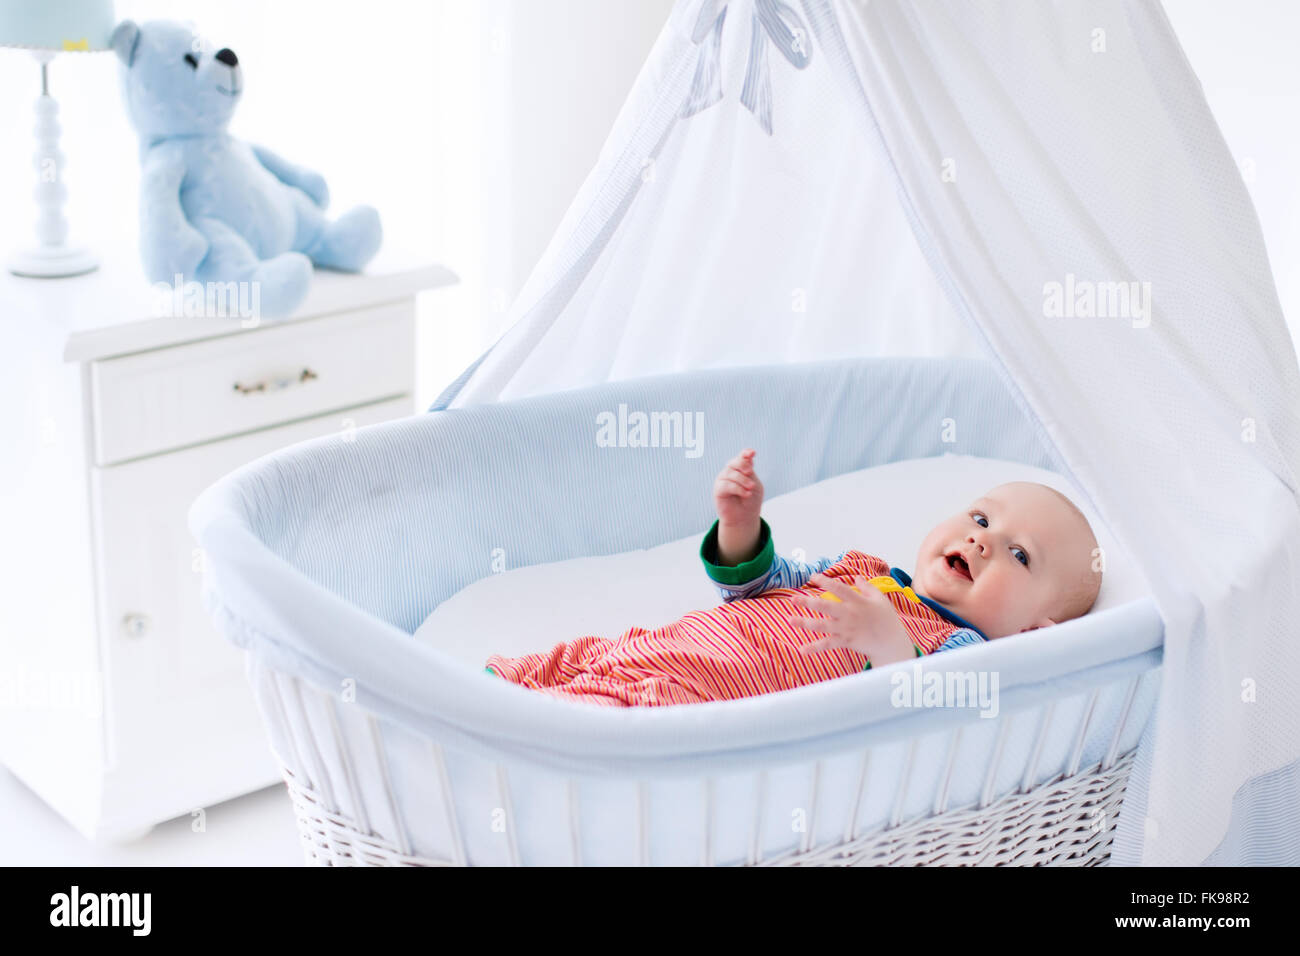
(957, 564)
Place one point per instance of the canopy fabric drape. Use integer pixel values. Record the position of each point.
(1041, 184)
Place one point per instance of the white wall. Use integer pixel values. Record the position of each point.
(1245, 55)
(471, 123)
(527, 91)
(319, 90)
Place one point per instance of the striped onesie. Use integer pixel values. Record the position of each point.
(743, 648)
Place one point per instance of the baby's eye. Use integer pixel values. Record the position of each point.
(980, 520)
(1021, 555)
(190, 59)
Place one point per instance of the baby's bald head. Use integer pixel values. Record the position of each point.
(1081, 583)
(1019, 557)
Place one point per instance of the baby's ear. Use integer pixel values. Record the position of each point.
(125, 38)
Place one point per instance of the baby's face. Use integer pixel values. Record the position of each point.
(1010, 562)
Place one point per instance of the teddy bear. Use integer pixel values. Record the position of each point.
(213, 208)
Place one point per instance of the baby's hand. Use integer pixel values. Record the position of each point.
(862, 620)
(738, 496)
(737, 492)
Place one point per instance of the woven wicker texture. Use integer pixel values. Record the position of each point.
(1068, 821)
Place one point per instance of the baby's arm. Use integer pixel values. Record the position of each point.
(738, 498)
(767, 571)
(737, 552)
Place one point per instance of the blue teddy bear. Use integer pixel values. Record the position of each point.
(214, 208)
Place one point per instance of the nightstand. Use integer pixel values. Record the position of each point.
(119, 702)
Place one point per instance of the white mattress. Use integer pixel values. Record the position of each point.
(884, 511)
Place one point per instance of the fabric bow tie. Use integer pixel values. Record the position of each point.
(771, 22)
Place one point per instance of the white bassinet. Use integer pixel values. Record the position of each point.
(326, 557)
(809, 220)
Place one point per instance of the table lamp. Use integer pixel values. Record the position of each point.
(47, 27)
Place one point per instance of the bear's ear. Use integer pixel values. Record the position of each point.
(125, 38)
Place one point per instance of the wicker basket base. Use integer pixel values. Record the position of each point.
(1068, 821)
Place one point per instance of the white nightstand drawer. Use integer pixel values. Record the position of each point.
(174, 397)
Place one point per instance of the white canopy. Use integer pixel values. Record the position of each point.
(1041, 183)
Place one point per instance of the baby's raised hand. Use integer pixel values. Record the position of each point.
(862, 619)
(738, 498)
(737, 492)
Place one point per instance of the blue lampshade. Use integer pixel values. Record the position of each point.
(56, 24)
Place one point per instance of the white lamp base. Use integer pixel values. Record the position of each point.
(53, 256)
(53, 262)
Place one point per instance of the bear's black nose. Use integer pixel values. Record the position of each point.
(227, 57)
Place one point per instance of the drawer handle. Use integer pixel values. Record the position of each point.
(275, 384)
(135, 625)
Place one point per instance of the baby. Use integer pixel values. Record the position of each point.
(1019, 558)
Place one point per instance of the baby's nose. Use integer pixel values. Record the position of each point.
(978, 543)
